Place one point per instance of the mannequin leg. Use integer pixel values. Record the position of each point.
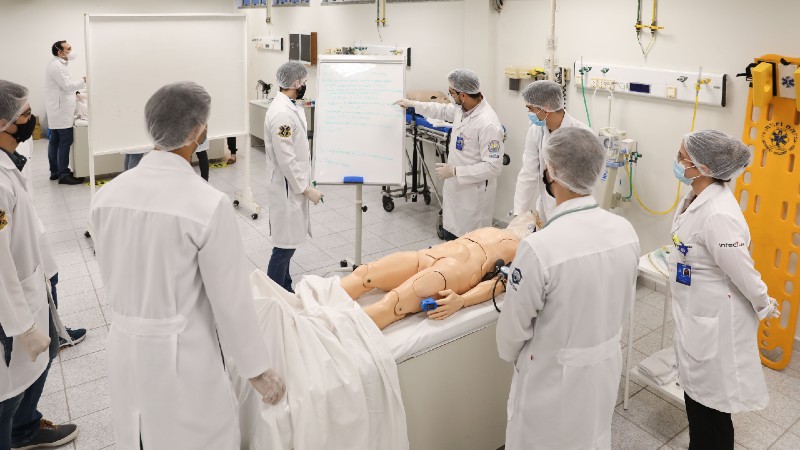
(385, 274)
(405, 299)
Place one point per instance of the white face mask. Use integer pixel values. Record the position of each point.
(73, 55)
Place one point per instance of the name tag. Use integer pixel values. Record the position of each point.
(459, 142)
(684, 274)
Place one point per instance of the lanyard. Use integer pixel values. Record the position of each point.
(569, 211)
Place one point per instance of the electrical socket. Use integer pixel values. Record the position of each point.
(603, 83)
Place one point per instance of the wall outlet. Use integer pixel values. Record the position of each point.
(603, 83)
(269, 43)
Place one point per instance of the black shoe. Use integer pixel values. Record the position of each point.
(77, 335)
(50, 435)
(53, 177)
(69, 179)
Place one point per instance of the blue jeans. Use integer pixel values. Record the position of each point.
(58, 152)
(132, 160)
(278, 268)
(19, 417)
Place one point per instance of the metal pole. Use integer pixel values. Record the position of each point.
(359, 203)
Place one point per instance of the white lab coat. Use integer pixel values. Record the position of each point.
(468, 197)
(174, 271)
(530, 193)
(568, 295)
(716, 318)
(23, 294)
(59, 91)
(286, 142)
(48, 259)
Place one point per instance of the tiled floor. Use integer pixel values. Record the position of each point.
(77, 387)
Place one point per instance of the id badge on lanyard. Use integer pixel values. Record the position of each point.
(684, 271)
(460, 142)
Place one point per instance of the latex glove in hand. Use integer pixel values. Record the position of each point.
(34, 342)
(270, 385)
(405, 103)
(447, 305)
(314, 195)
(771, 311)
(445, 171)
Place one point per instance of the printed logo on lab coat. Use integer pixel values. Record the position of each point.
(494, 149)
(516, 278)
(732, 245)
(3, 220)
(779, 138)
(285, 131)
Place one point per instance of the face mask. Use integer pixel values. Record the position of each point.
(535, 119)
(547, 184)
(25, 131)
(301, 92)
(73, 55)
(18, 160)
(680, 172)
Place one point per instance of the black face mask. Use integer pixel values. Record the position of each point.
(25, 131)
(301, 92)
(18, 160)
(547, 184)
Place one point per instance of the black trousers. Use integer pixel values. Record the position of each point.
(231, 144)
(709, 429)
(202, 158)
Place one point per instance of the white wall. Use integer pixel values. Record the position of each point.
(28, 29)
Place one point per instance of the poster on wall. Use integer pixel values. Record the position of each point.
(338, 2)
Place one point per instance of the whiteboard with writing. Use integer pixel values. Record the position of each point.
(358, 130)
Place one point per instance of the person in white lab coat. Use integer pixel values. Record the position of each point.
(718, 296)
(174, 271)
(26, 331)
(475, 156)
(290, 187)
(59, 90)
(545, 102)
(568, 295)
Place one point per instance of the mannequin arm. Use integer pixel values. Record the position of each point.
(452, 302)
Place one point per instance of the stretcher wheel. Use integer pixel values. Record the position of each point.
(388, 204)
(254, 216)
(236, 203)
(427, 198)
(506, 160)
(87, 235)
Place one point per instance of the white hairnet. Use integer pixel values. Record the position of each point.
(575, 158)
(13, 98)
(291, 75)
(173, 113)
(723, 155)
(544, 94)
(464, 80)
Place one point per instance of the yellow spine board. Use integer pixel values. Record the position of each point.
(772, 211)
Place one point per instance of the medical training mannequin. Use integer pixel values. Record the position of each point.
(452, 273)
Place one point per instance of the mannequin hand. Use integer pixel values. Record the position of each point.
(314, 195)
(405, 103)
(270, 386)
(445, 171)
(448, 304)
(34, 342)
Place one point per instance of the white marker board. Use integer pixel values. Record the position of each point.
(358, 130)
(129, 57)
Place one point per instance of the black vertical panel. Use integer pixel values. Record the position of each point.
(305, 47)
(294, 47)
